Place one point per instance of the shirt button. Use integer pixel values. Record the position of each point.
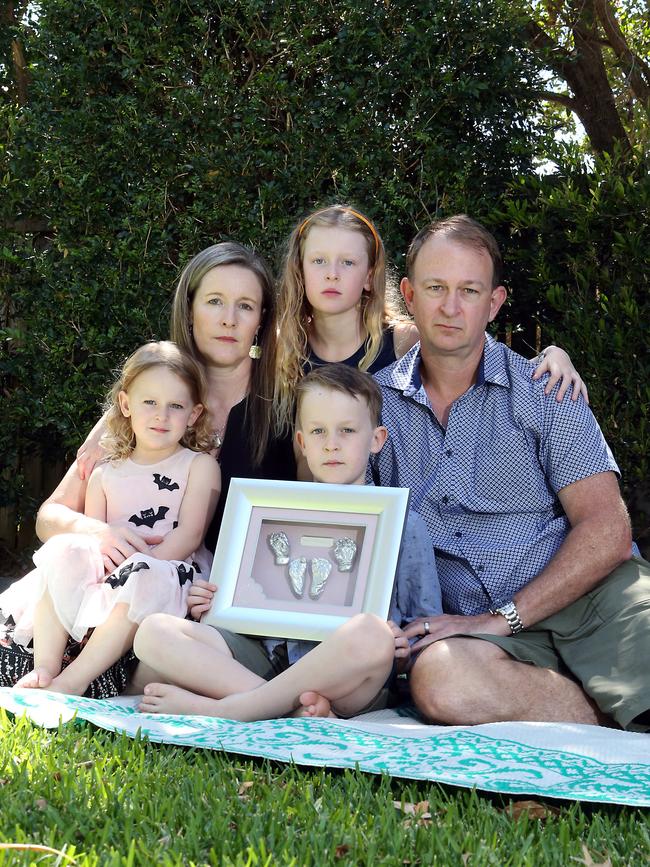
(458, 535)
(480, 568)
(445, 500)
(449, 453)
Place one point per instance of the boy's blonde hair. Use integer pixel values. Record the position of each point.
(346, 379)
(119, 440)
(294, 310)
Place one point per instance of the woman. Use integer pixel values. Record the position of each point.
(224, 315)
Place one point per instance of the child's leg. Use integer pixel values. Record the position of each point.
(192, 655)
(109, 641)
(50, 639)
(348, 669)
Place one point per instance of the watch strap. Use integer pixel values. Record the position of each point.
(509, 611)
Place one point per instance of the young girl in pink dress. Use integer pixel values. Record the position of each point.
(158, 480)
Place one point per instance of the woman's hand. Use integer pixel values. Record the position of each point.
(117, 542)
(199, 598)
(557, 363)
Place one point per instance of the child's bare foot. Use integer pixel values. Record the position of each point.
(313, 704)
(165, 698)
(38, 678)
(68, 684)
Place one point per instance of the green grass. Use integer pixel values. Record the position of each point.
(105, 799)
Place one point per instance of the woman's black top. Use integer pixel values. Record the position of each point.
(236, 461)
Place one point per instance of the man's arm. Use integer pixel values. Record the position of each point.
(600, 539)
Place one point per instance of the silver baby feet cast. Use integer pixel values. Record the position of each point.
(279, 544)
(345, 551)
(320, 572)
(297, 573)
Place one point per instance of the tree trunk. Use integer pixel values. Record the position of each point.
(584, 71)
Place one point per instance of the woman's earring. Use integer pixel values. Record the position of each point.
(191, 327)
(255, 352)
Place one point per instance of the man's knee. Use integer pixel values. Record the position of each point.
(446, 674)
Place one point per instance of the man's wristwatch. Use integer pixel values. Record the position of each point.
(509, 611)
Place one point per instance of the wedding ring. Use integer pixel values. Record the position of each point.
(427, 628)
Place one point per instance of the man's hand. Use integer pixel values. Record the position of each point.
(117, 542)
(402, 647)
(199, 598)
(434, 628)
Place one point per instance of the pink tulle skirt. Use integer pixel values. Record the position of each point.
(71, 568)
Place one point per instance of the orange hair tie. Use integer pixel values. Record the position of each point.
(348, 211)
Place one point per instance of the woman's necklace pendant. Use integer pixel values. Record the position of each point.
(217, 440)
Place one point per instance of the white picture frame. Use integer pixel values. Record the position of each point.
(255, 595)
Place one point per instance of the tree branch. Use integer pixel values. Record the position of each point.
(561, 98)
(634, 67)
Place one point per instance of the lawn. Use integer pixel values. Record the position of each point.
(99, 798)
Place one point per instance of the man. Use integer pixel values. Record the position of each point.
(520, 496)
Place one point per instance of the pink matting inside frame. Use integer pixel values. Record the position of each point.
(262, 583)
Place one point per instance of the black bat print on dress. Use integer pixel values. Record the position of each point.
(185, 573)
(165, 483)
(147, 518)
(122, 576)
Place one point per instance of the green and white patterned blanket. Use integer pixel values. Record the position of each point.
(551, 760)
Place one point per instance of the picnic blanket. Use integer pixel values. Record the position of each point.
(548, 759)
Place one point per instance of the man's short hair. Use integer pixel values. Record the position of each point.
(462, 230)
(346, 379)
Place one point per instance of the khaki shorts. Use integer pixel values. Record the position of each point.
(250, 652)
(602, 640)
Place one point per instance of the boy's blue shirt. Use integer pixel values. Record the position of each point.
(416, 590)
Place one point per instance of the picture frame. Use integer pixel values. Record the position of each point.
(315, 522)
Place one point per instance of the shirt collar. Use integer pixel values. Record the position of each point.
(493, 367)
(404, 374)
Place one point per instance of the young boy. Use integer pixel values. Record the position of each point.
(247, 678)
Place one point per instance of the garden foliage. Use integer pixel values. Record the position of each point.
(581, 245)
(151, 130)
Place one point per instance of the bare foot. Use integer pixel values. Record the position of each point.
(165, 698)
(38, 678)
(66, 687)
(314, 704)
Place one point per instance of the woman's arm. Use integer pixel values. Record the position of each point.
(63, 512)
(90, 452)
(198, 507)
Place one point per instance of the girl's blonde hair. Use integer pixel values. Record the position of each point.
(294, 310)
(119, 439)
(259, 416)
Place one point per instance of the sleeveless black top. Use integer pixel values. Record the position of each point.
(236, 461)
(386, 355)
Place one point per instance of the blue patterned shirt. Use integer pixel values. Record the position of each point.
(487, 485)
